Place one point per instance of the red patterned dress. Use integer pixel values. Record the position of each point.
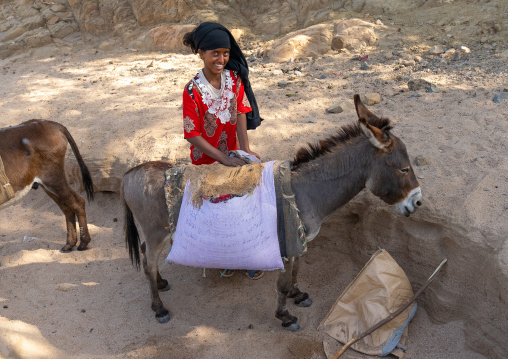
(213, 115)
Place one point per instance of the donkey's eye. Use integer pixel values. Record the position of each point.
(405, 170)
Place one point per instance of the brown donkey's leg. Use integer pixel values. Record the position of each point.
(67, 195)
(78, 207)
(301, 299)
(70, 220)
(284, 282)
(151, 268)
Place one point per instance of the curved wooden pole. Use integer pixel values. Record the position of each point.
(391, 316)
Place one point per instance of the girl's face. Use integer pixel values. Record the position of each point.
(214, 60)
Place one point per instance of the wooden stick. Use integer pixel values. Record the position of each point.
(391, 316)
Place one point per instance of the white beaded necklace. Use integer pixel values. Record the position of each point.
(217, 100)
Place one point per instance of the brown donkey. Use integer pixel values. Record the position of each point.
(33, 154)
(324, 177)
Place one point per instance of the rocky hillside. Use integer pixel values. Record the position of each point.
(158, 25)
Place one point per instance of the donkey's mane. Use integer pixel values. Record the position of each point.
(343, 135)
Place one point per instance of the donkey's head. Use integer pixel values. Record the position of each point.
(391, 177)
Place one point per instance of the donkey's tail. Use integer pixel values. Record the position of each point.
(85, 173)
(131, 232)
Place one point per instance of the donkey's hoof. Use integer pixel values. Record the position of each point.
(293, 327)
(165, 289)
(82, 248)
(66, 249)
(305, 303)
(163, 319)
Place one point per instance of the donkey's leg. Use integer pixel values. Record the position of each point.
(289, 322)
(78, 206)
(151, 253)
(61, 189)
(301, 299)
(162, 284)
(70, 220)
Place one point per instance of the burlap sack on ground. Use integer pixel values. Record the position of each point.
(380, 289)
(6, 190)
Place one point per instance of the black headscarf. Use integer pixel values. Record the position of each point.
(209, 36)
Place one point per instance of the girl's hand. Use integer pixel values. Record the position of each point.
(232, 161)
(254, 154)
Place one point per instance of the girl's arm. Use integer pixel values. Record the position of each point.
(200, 143)
(241, 133)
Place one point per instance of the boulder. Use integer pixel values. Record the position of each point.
(169, 37)
(310, 42)
(353, 34)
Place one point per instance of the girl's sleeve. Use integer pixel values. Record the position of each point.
(191, 118)
(243, 105)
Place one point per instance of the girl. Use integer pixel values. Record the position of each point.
(217, 99)
(218, 103)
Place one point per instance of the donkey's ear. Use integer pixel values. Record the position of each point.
(363, 111)
(377, 137)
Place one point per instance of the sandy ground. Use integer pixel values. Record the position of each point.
(123, 108)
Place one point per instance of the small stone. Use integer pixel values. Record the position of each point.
(58, 8)
(27, 239)
(251, 326)
(282, 83)
(448, 54)
(418, 84)
(500, 97)
(371, 98)
(364, 66)
(464, 49)
(339, 107)
(277, 72)
(436, 50)
(421, 161)
(432, 89)
(53, 20)
(322, 77)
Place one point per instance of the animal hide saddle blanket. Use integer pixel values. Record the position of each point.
(233, 217)
(6, 190)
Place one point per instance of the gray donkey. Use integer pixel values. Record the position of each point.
(324, 177)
